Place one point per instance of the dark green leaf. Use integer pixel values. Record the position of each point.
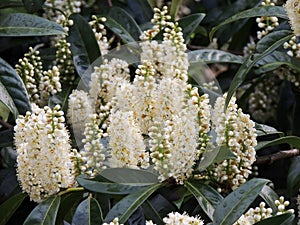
(175, 5)
(215, 155)
(151, 213)
(237, 202)
(14, 86)
(126, 175)
(125, 207)
(45, 213)
(270, 196)
(189, 24)
(8, 183)
(10, 4)
(110, 188)
(6, 137)
(84, 46)
(292, 140)
(61, 98)
(262, 129)
(8, 208)
(33, 5)
(88, 212)
(293, 178)
(7, 101)
(152, 3)
(270, 39)
(275, 60)
(213, 56)
(248, 64)
(277, 11)
(207, 197)
(119, 30)
(283, 219)
(126, 22)
(22, 24)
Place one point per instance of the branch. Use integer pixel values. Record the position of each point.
(5, 124)
(269, 159)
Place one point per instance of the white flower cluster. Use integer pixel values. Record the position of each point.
(64, 61)
(49, 85)
(44, 164)
(55, 7)
(173, 218)
(293, 47)
(127, 148)
(236, 131)
(92, 156)
(79, 111)
(266, 22)
(260, 213)
(30, 69)
(100, 33)
(292, 8)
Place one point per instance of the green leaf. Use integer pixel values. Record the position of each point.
(61, 98)
(263, 129)
(110, 188)
(215, 155)
(151, 213)
(207, 197)
(7, 101)
(119, 30)
(84, 46)
(152, 3)
(126, 175)
(10, 4)
(275, 60)
(8, 208)
(6, 138)
(248, 64)
(237, 202)
(22, 24)
(33, 5)
(126, 21)
(14, 87)
(88, 212)
(270, 39)
(293, 178)
(45, 213)
(213, 56)
(125, 207)
(175, 5)
(283, 219)
(277, 11)
(269, 196)
(292, 140)
(189, 24)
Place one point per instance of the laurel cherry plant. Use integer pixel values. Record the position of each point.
(150, 112)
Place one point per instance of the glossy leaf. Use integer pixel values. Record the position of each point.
(110, 188)
(292, 140)
(207, 197)
(88, 212)
(270, 39)
(22, 24)
(7, 101)
(293, 178)
(237, 202)
(215, 155)
(263, 129)
(125, 207)
(14, 87)
(189, 24)
(151, 213)
(45, 213)
(248, 64)
(269, 196)
(214, 56)
(275, 60)
(84, 46)
(33, 5)
(119, 30)
(126, 21)
(277, 11)
(283, 219)
(126, 175)
(8, 208)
